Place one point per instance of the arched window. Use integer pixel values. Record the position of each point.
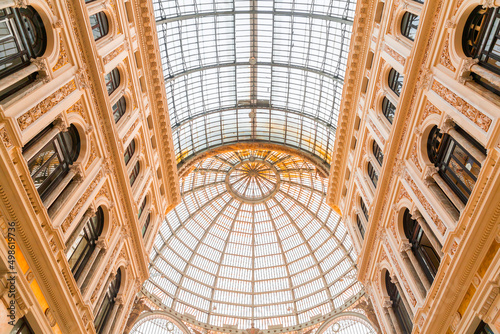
(377, 152)
(129, 152)
(480, 41)
(409, 25)
(135, 173)
(372, 173)
(363, 208)
(112, 80)
(402, 316)
(22, 327)
(142, 207)
(99, 25)
(51, 163)
(84, 245)
(146, 225)
(22, 38)
(455, 164)
(107, 303)
(119, 107)
(421, 246)
(395, 81)
(388, 109)
(361, 227)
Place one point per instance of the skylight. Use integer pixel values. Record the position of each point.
(253, 241)
(254, 70)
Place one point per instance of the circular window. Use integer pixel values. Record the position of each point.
(253, 180)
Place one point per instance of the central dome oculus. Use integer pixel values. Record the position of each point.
(253, 180)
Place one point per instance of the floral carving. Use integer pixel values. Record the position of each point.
(414, 157)
(110, 56)
(63, 56)
(444, 59)
(377, 132)
(5, 138)
(430, 109)
(93, 154)
(480, 119)
(399, 58)
(46, 105)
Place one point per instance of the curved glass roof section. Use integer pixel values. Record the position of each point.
(254, 70)
(253, 241)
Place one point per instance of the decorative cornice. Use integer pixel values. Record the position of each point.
(358, 51)
(147, 37)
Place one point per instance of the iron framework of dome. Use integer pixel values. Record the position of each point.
(253, 242)
(254, 71)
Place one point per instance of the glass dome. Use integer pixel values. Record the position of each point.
(253, 242)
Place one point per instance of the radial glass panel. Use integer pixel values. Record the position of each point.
(253, 240)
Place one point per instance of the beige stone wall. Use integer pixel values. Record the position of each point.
(437, 90)
(71, 91)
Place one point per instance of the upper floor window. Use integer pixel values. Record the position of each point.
(112, 80)
(135, 173)
(480, 41)
(388, 109)
(361, 227)
(409, 25)
(395, 81)
(99, 25)
(377, 152)
(398, 306)
(129, 152)
(146, 225)
(22, 38)
(455, 164)
(421, 246)
(363, 208)
(119, 107)
(84, 245)
(372, 173)
(107, 304)
(51, 163)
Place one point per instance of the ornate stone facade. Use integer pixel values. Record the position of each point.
(432, 95)
(71, 91)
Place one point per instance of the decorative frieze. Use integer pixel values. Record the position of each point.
(399, 58)
(414, 157)
(476, 116)
(46, 105)
(110, 56)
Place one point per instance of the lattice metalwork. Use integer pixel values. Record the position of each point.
(275, 256)
(254, 70)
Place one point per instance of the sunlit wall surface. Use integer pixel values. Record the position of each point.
(253, 241)
(254, 70)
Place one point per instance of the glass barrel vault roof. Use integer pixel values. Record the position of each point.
(254, 70)
(253, 241)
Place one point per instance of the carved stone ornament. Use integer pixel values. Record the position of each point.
(50, 317)
(21, 3)
(455, 321)
(488, 3)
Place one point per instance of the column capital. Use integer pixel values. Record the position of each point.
(416, 215)
(387, 304)
(394, 279)
(101, 244)
(405, 247)
(448, 124)
(21, 3)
